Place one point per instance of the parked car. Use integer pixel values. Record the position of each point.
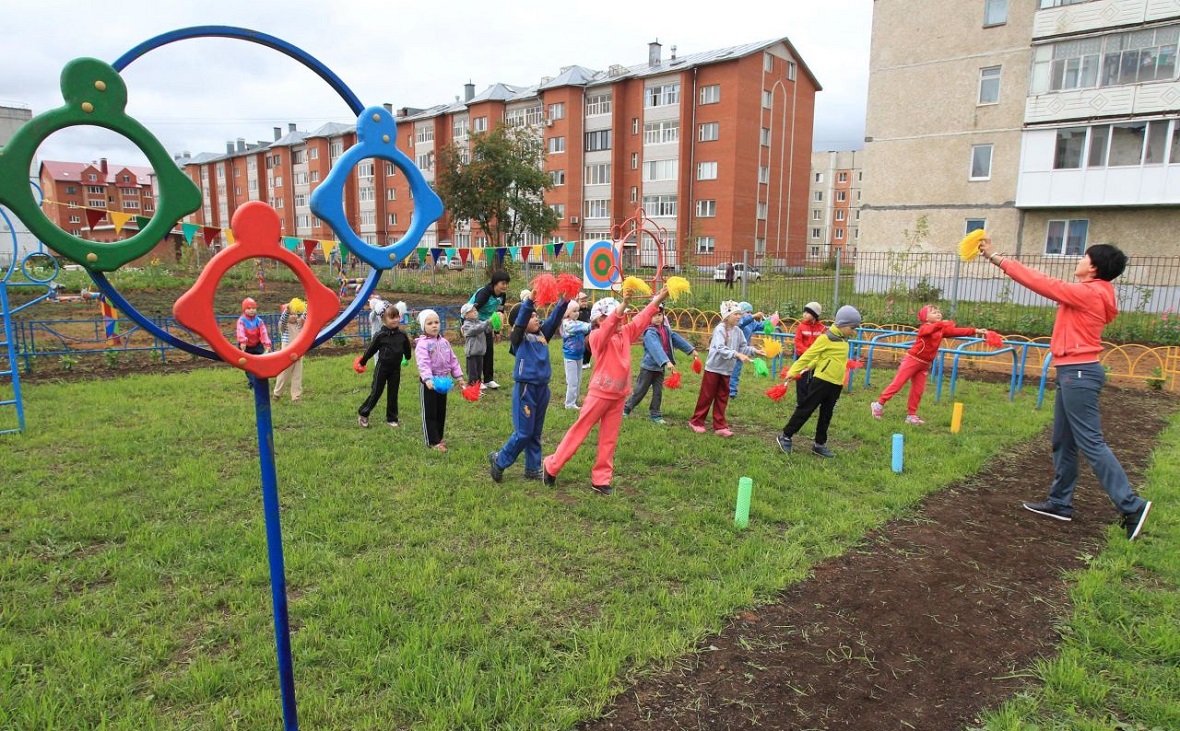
(454, 262)
(740, 271)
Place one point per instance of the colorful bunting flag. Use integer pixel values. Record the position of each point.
(476, 254)
(119, 220)
(463, 253)
(229, 237)
(556, 248)
(93, 216)
(435, 254)
(141, 222)
(189, 230)
(421, 256)
(569, 247)
(290, 243)
(524, 253)
(209, 233)
(450, 254)
(308, 249)
(328, 247)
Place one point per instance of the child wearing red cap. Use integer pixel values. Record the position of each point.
(251, 332)
(915, 366)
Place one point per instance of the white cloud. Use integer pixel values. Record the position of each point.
(197, 94)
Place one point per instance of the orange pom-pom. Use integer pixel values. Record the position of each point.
(696, 364)
(673, 381)
(777, 392)
(993, 339)
(853, 364)
(544, 290)
(471, 393)
(569, 285)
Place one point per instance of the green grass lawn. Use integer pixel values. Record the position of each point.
(134, 590)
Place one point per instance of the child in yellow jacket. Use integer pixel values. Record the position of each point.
(827, 359)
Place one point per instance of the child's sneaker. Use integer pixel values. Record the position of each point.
(393, 424)
(784, 443)
(698, 428)
(1133, 522)
(877, 409)
(441, 447)
(914, 419)
(492, 385)
(724, 433)
(363, 421)
(659, 420)
(822, 450)
(493, 468)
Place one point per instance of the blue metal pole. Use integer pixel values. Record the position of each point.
(274, 550)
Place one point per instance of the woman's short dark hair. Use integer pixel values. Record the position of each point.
(500, 276)
(1109, 261)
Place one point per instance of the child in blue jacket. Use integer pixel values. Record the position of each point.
(659, 344)
(573, 347)
(750, 323)
(530, 396)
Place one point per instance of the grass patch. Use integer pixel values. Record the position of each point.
(133, 568)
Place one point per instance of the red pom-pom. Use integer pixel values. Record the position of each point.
(777, 392)
(673, 381)
(471, 393)
(356, 365)
(993, 339)
(544, 289)
(696, 364)
(783, 373)
(853, 364)
(569, 285)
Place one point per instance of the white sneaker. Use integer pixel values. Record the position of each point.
(492, 385)
(585, 366)
(877, 409)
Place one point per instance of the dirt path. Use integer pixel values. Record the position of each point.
(923, 625)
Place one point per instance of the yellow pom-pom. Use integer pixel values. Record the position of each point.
(635, 285)
(772, 347)
(678, 286)
(297, 306)
(969, 246)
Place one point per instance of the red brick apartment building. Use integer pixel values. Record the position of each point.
(714, 146)
(69, 188)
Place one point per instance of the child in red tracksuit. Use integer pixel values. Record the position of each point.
(806, 332)
(610, 382)
(915, 366)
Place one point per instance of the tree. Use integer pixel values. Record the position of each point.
(500, 186)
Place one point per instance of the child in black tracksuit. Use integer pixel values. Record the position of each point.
(391, 345)
(530, 396)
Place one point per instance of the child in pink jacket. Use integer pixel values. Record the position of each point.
(434, 357)
(610, 382)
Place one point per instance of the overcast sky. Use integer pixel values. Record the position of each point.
(197, 94)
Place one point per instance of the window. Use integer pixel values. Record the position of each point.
(1099, 142)
(838, 234)
(841, 196)
(762, 211)
(391, 194)
(706, 209)
(424, 133)
(480, 124)
(981, 162)
(75, 219)
(556, 144)
(298, 157)
(989, 85)
(841, 177)
(818, 196)
(597, 208)
(815, 233)
(817, 214)
(559, 209)
(598, 140)
(660, 133)
(634, 160)
(300, 201)
(312, 154)
(1174, 154)
(763, 174)
(557, 111)
(72, 190)
(392, 219)
(598, 174)
(995, 12)
(425, 161)
(635, 125)
(93, 178)
(597, 104)
(705, 244)
(1125, 58)
(220, 171)
(656, 170)
(368, 218)
(765, 137)
(634, 193)
(364, 170)
(661, 96)
(790, 70)
(1126, 143)
(1157, 142)
(839, 213)
(1066, 238)
(460, 128)
(974, 224)
(337, 149)
(659, 205)
(314, 176)
(706, 171)
(1071, 143)
(96, 189)
(767, 98)
(558, 177)
(767, 62)
(711, 94)
(365, 193)
(819, 177)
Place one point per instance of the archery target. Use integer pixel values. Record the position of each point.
(600, 265)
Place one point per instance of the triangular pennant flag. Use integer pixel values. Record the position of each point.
(210, 234)
(308, 248)
(229, 237)
(450, 253)
(141, 222)
(290, 243)
(189, 230)
(514, 251)
(343, 252)
(569, 247)
(463, 253)
(421, 256)
(93, 216)
(435, 254)
(119, 220)
(556, 248)
(500, 254)
(476, 254)
(328, 247)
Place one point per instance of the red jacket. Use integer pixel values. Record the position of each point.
(805, 335)
(611, 377)
(930, 336)
(1083, 309)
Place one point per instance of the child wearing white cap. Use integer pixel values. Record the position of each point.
(434, 357)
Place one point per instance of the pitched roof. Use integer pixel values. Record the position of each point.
(72, 171)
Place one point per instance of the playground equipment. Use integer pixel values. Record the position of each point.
(95, 94)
